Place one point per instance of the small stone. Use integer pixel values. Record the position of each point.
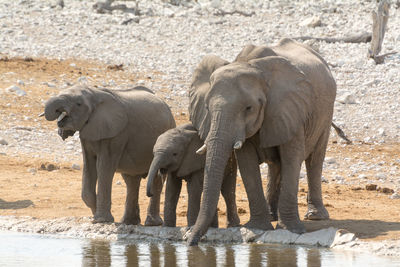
(76, 167)
(20, 82)
(15, 89)
(72, 65)
(395, 196)
(381, 176)
(82, 79)
(330, 160)
(311, 22)
(241, 211)
(356, 188)
(381, 132)
(33, 171)
(371, 187)
(347, 98)
(385, 190)
(3, 142)
(118, 183)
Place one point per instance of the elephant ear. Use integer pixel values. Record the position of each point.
(289, 100)
(108, 117)
(198, 90)
(252, 52)
(191, 160)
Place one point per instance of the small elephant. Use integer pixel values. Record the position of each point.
(175, 156)
(117, 129)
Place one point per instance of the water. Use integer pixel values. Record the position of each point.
(18, 249)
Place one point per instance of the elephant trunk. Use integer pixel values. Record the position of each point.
(220, 143)
(154, 168)
(53, 108)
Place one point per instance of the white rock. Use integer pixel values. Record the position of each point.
(381, 132)
(278, 236)
(311, 22)
(347, 98)
(16, 90)
(118, 183)
(3, 142)
(330, 160)
(395, 196)
(76, 167)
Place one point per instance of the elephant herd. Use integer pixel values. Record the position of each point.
(272, 104)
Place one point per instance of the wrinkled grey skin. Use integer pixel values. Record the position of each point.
(275, 105)
(117, 129)
(175, 155)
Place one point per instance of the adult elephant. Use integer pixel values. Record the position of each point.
(117, 129)
(275, 105)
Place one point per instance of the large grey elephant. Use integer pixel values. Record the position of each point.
(275, 105)
(117, 129)
(175, 156)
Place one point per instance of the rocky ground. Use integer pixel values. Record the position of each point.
(45, 48)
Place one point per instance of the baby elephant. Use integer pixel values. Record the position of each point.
(175, 156)
(117, 129)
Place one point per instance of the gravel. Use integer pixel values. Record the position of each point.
(170, 40)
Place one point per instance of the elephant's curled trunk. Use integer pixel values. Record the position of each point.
(153, 171)
(53, 108)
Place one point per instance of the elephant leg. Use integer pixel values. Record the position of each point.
(89, 181)
(172, 193)
(132, 210)
(314, 164)
(153, 210)
(250, 171)
(292, 155)
(194, 188)
(106, 165)
(228, 191)
(273, 188)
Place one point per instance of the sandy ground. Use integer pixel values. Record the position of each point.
(28, 190)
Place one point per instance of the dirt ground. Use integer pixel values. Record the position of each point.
(51, 194)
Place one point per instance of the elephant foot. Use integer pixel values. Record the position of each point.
(130, 221)
(193, 240)
(314, 213)
(294, 227)
(262, 225)
(153, 221)
(103, 218)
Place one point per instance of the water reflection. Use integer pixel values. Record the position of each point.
(39, 250)
(97, 253)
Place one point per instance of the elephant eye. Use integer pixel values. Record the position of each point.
(78, 104)
(175, 154)
(248, 108)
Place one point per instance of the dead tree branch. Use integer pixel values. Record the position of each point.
(341, 134)
(379, 22)
(106, 7)
(221, 12)
(364, 37)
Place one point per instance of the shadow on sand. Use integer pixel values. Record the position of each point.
(19, 204)
(364, 229)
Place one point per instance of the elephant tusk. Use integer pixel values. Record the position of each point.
(41, 114)
(238, 145)
(202, 150)
(62, 116)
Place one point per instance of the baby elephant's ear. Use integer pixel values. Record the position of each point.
(108, 117)
(191, 161)
(290, 99)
